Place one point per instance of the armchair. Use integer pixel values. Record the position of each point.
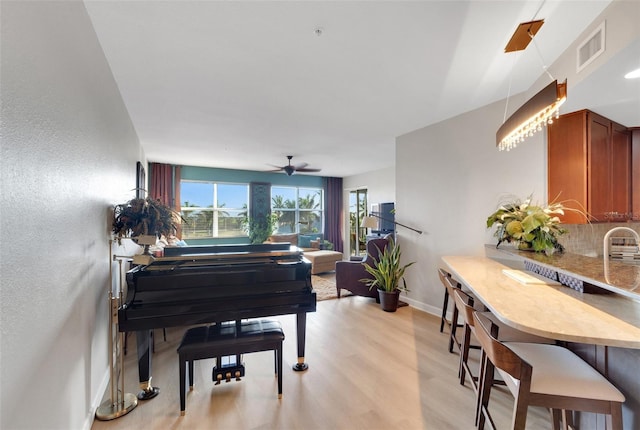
(349, 273)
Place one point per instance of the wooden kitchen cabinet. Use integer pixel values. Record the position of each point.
(589, 167)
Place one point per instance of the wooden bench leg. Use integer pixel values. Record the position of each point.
(278, 353)
(183, 387)
(445, 305)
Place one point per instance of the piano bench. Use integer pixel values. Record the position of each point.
(228, 338)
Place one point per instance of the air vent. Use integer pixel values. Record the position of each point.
(591, 48)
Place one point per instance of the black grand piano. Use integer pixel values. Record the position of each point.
(209, 284)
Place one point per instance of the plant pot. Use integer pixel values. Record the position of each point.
(389, 300)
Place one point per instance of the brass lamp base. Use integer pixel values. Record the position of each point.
(109, 410)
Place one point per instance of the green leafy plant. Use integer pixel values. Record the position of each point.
(327, 245)
(260, 228)
(387, 272)
(139, 217)
(531, 227)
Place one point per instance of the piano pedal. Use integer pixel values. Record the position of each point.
(234, 371)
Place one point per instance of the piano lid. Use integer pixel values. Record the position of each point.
(210, 255)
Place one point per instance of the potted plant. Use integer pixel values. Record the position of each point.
(144, 220)
(530, 227)
(387, 273)
(260, 228)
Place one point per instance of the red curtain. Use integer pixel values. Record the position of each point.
(165, 186)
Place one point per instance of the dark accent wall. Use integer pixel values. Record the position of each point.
(260, 198)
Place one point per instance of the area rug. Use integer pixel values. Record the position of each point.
(325, 286)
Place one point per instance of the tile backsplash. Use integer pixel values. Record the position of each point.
(586, 239)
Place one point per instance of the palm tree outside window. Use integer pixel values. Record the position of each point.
(299, 210)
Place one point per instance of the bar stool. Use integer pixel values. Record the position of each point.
(449, 285)
(465, 304)
(445, 303)
(542, 375)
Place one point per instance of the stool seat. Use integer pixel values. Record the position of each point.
(225, 339)
(543, 375)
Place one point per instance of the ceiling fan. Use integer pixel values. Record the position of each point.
(291, 169)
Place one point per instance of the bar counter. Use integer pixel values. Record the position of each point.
(553, 311)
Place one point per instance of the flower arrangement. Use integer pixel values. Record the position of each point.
(530, 226)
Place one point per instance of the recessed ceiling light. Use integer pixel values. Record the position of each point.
(633, 74)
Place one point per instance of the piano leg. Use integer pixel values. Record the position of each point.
(143, 339)
(301, 332)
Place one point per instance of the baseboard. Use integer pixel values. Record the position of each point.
(97, 400)
(421, 306)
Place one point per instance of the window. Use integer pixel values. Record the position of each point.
(213, 209)
(299, 210)
(357, 212)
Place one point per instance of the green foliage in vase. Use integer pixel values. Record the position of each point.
(531, 227)
(260, 228)
(327, 245)
(387, 272)
(139, 217)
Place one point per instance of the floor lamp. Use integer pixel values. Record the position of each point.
(371, 222)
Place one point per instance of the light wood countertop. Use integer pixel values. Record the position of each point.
(555, 312)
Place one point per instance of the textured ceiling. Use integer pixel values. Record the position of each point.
(243, 84)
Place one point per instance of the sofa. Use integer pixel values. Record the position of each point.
(349, 273)
(322, 260)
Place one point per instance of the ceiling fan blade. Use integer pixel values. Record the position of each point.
(290, 169)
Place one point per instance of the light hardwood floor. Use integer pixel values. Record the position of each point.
(368, 369)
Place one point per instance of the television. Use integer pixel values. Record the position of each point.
(386, 218)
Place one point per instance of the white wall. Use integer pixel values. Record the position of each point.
(69, 153)
(380, 185)
(452, 178)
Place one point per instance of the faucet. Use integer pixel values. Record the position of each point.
(606, 251)
(613, 230)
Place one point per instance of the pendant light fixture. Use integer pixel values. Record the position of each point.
(540, 109)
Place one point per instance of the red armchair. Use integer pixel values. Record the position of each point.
(349, 273)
